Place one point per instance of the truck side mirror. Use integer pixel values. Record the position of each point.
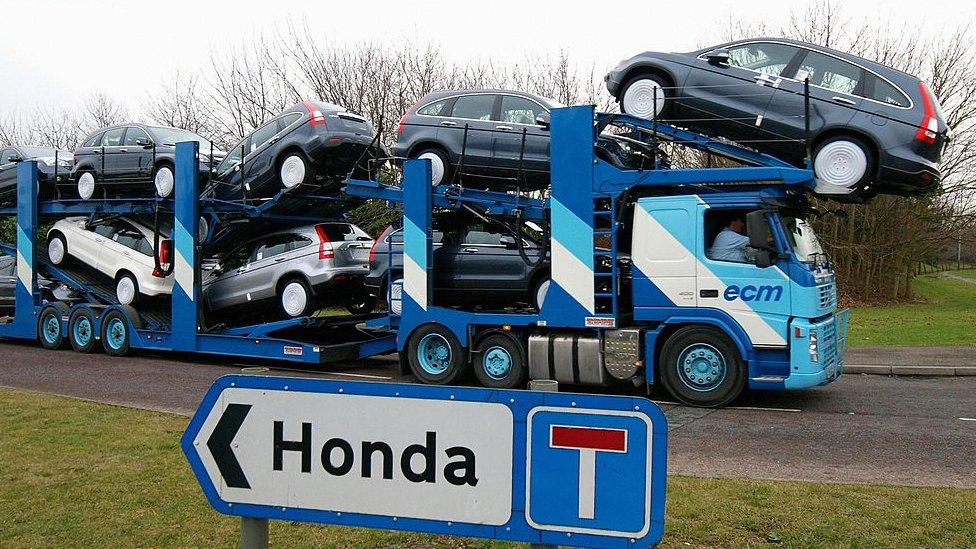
(758, 229)
(763, 258)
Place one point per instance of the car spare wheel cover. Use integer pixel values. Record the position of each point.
(292, 171)
(125, 290)
(396, 296)
(840, 163)
(639, 98)
(164, 181)
(86, 185)
(294, 298)
(55, 251)
(540, 293)
(436, 167)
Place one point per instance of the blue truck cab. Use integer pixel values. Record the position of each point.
(635, 296)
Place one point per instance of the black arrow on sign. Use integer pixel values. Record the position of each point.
(219, 444)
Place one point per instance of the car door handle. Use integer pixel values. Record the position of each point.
(843, 100)
(123, 150)
(470, 250)
(280, 259)
(503, 127)
(448, 123)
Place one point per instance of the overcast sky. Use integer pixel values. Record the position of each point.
(57, 52)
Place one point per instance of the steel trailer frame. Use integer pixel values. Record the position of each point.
(183, 333)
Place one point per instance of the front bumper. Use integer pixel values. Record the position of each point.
(828, 364)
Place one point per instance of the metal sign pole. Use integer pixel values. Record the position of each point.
(254, 533)
(546, 386)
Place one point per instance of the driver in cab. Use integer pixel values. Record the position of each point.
(730, 244)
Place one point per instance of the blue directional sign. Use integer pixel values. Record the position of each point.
(553, 468)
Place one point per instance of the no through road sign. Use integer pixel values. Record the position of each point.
(527, 466)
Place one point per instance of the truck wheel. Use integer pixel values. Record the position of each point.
(81, 331)
(701, 367)
(115, 333)
(500, 362)
(435, 355)
(49, 326)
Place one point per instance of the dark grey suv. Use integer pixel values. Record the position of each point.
(474, 263)
(133, 160)
(874, 129)
(489, 127)
(53, 166)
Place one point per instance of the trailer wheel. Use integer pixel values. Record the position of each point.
(435, 355)
(499, 362)
(115, 333)
(81, 331)
(49, 326)
(86, 185)
(701, 367)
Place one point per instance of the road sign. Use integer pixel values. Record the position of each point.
(553, 468)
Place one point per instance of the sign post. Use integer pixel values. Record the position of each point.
(537, 467)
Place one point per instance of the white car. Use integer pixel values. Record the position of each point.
(119, 248)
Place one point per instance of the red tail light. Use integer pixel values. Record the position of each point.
(325, 246)
(165, 258)
(928, 129)
(380, 238)
(403, 119)
(316, 118)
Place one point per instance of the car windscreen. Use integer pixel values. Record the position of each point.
(43, 152)
(172, 136)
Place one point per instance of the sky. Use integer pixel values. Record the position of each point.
(55, 53)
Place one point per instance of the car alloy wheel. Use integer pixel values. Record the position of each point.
(639, 98)
(56, 250)
(294, 298)
(125, 289)
(437, 167)
(164, 182)
(840, 163)
(86, 185)
(292, 171)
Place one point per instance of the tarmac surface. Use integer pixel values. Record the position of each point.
(876, 429)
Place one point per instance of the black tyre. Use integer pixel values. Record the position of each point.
(499, 362)
(435, 355)
(360, 302)
(49, 326)
(637, 97)
(115, 333)
(440, 164)
(81, 331)
(844, 163)
(699, 366)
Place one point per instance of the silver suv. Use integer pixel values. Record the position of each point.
(295, 269)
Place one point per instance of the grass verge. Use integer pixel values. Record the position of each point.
(945, 316)
(78, 474)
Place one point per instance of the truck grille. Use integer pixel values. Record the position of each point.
(827, 295)
(828, 344)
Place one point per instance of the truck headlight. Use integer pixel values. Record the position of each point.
(814, 351)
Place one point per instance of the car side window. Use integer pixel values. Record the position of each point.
(434, 109)
(5, 156)
(271, 247)
(262, 135)
(882, 91)
(479, 234)
(297, 241)
(829, 72)
(113, 138)
(129, 238)
(233, 157)
(763, 57)
(105, 229)
(474, 107)
(133, 134)
(519, 110)
(286, 120)
(93, 141)
(235, 258)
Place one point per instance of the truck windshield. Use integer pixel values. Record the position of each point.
(803, 239)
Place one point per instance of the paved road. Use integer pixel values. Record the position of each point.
(874, 429)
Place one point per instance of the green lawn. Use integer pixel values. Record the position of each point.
(946, 315)
(78, 474)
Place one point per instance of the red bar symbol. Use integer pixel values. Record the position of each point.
(588, 438)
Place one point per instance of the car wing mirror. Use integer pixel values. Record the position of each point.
(543, 120)
(718, 57)
(14, 159)
(144, 143)
(508, 242)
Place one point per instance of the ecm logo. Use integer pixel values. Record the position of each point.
(753, 293)
(588, 472)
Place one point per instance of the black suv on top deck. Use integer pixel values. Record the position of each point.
(488, 125)
(46, 168)
(874, 129)
(133, 160)
(312, 144)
